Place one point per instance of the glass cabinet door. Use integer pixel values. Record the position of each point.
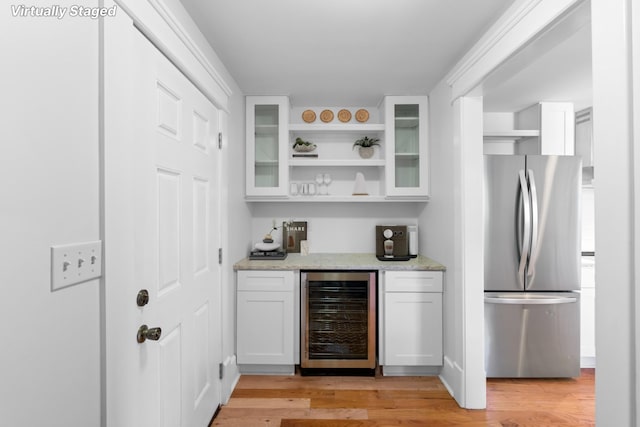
(266, 145)
(407, 147)
(267, 121)
(406, 140)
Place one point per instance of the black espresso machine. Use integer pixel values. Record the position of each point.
(392, 243)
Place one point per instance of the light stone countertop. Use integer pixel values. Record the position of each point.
(337, 261)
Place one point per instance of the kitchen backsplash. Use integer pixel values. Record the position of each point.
(334, 227)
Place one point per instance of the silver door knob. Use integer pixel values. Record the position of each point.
(146, 333)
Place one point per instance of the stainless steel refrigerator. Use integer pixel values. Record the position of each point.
(532, 265)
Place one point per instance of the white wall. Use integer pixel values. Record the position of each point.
(49, 195)
(437, 227)
(236, 232)
(335, 227)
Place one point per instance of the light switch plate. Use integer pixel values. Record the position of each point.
(75, 263)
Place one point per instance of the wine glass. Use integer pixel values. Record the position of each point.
(319, 182)
(326, 178)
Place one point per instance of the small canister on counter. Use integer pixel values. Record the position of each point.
(413, 240)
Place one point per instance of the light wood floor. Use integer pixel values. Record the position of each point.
(290, 401)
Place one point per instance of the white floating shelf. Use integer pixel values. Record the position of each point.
(346, 127)
(337, 199)
(510, 134)
(334, 162)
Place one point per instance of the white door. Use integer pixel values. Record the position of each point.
(162, 234)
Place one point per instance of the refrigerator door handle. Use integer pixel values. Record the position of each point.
(524, 233)
(530, 301)
(534, 224)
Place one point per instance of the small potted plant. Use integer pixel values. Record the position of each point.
(365, 146)
(301, 146)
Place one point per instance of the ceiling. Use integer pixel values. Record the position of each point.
(341, 52)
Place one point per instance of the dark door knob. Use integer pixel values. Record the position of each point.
(143, 298)
(146, 333)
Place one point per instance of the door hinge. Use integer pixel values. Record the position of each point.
(220, 371)
(220, 140)
(219, 255)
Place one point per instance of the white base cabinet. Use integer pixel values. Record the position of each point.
(412, 319)
(266, 318)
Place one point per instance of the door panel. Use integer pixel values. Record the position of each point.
(164, 239)
(168, 231)
(532, 338)
(413, 328)
(501, 191)
(182, 231)
(554, 264)
(170, 375)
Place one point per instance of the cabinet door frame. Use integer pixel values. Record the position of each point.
(269, 289)
(422, 190)
(410, 342)
(281, 190)
(411, 288)
(278, 331)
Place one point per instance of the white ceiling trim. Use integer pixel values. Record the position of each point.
(490, 39)
(179, 30)
(179, 48)
(518, 26)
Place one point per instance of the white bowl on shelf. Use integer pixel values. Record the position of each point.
(262, 246)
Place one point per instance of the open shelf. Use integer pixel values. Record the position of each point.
(337, 199)
(347, 127)
(336, 162)
(510, 134)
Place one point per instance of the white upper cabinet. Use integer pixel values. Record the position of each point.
(556, 123)
(267, 120)
(546, 128)
(335, 171)
(406, 146)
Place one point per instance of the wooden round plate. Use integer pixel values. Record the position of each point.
(309, 116)
(362, 115)
(344, 116)
(326, 116)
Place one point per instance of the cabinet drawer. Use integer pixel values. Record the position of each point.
(413, 281)
(265, 280)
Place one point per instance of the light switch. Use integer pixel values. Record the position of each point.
(75, 263)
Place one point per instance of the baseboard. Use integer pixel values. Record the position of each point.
(267, 369)
(588, 362)
(411, 371)
(230, 378)
(451, 378)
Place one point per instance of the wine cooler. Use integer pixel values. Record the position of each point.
(338, 315)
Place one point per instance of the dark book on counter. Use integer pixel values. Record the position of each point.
(305, 155)
(292, 234)
(273, 255)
